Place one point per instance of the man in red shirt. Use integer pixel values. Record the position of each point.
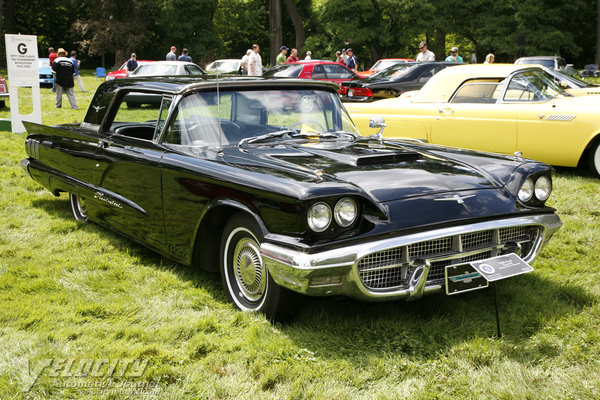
(52, 56)
(293, 56)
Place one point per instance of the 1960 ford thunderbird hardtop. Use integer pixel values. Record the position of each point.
(269, 182)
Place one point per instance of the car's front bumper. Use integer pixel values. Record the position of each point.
(340, 271)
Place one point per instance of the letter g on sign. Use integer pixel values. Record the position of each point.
(22, 48)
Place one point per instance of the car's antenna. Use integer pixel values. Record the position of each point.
(219, 117)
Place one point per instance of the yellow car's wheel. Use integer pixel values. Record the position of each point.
(595, 158)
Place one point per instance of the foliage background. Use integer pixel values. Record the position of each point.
(105, 32)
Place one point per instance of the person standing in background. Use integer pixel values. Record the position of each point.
(339, 58)
(489, 59)
(281, 57)
(63, 67)
(171, 56)
(184, 56)
(76, 75)
(245, 63)
(352, 62)
(255, 62)
(132, 64)
(424, 53)
(454, 57)
(474, 58)
(293, 56)
(51, 57)
(308, 55)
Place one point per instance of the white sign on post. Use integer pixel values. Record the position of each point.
(22, 63)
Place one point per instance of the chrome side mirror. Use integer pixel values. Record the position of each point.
(377, 122)
(564, 84)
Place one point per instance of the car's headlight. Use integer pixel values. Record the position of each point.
(319, 217)
(526, 191)
(543, 188)
(109, 77)
(345, 212)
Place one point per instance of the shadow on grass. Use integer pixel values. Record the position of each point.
(60, 207)
(351, 330)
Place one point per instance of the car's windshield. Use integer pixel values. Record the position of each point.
(393, 72)
(559, 76)
(532, 86)
(156, 69)
(43, 63)
(383, 64)
(203, 119)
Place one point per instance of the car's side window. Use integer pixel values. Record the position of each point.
(137, 115)
(335, 71)
(162, 116)
(200, 120)
(480, 92)
(318, 72)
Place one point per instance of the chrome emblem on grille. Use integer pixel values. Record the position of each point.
(459, 199)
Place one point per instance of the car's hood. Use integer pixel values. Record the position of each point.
(384, 172)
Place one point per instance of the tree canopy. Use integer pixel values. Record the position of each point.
(106, 31)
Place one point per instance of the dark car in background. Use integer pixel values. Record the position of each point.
(393, 81)
(268, 182)
(315, 69)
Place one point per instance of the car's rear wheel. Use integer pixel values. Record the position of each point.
(594, 159)
(245, 276)
(78, 207)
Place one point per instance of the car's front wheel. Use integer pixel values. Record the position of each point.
(595, 158)
(245, 276)
(78, 207)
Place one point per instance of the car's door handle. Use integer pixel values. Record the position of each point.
(446, 111)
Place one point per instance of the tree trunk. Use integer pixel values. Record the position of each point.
(298, 25)
(120, 56)
(274, 29)
(440, 45)
(9, 16)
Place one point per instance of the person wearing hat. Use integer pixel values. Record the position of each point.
(171, 56)
(282, 56)
(64, 70)
(132, 64)
(351, 62)
(454, 57)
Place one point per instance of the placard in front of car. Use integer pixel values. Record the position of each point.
(501, 267)
(462, 278)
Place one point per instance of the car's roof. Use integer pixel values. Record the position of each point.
(178, 84)
(227, 59)
(172, 63)
(539, 58)
(443, 84)
(305, 62)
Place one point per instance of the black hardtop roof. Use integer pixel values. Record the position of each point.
(179, 84)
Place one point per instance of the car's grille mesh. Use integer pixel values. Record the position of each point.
(390, 269)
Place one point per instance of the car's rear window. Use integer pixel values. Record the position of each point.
(285, 70)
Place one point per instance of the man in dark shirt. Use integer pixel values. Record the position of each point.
(64, 70)
(184, 56)
(351, 62)
(132, 64)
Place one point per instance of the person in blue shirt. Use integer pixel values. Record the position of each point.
(132, 64)
(351, 62)
(184, 56)
(76, 75)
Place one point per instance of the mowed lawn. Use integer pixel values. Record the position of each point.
(75, 295)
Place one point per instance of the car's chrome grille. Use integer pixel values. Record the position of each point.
(389, 269)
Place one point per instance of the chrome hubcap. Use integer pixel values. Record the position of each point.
(80, 202)
(249, 271)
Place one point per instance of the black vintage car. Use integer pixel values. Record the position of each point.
(393, 81)
(268, 182)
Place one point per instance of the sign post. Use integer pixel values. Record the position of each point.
(22, 60)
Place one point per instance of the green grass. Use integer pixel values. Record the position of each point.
(79, 292)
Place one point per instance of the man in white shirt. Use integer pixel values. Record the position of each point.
(255, 62)
(425, 55)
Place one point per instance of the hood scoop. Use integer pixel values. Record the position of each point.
(366, 156)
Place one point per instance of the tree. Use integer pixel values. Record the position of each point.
(117, 27)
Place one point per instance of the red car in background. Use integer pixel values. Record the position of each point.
(314, 69)
(122, 72)
(383, 64)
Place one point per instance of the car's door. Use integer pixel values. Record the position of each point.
(129, 196)
(475, 119)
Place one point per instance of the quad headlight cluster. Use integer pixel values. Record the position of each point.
(538, 189)
(320, 215)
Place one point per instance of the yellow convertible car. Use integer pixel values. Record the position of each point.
(502, 108)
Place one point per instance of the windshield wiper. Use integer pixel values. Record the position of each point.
(326, 135)
(266, 136)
